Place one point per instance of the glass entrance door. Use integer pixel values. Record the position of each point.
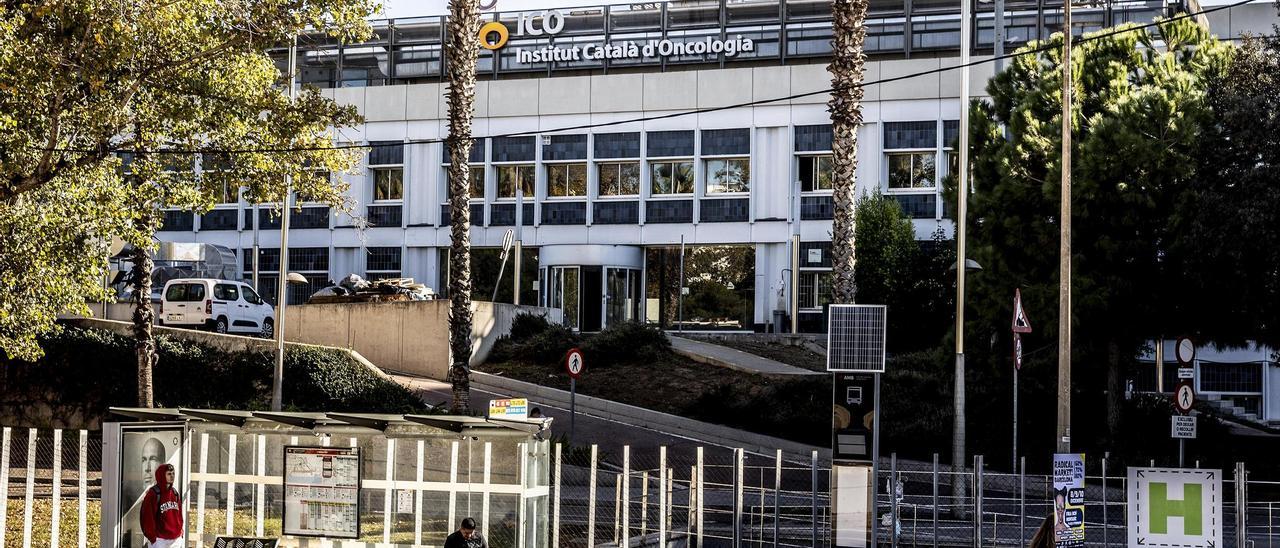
(564, 292)
(622, 295)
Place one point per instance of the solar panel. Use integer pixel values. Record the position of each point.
(855, 338)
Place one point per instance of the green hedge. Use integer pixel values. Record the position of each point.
(85, 371)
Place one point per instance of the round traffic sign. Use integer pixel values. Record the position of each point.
(1184, 397)
(573, 363)
(1185, 350)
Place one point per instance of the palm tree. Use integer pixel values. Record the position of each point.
(461, 53)
(846, 68)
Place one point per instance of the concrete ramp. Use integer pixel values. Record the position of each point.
(723, 356)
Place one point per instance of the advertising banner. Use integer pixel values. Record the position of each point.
(321, 492)
(143, 450)
(511, 409)
(1068, 499)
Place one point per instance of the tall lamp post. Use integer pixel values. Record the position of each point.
(282, 292)
(962, 196)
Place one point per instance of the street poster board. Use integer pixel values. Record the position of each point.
(321, 492)
(1068, 499)
(510, 409)
(1175, 507)
(143, 450)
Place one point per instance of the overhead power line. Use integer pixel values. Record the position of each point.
(638, 119)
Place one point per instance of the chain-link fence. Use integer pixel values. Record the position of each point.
(690, 496)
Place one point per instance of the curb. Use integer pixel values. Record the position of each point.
(656, 420)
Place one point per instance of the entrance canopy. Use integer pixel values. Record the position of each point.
(367, 479)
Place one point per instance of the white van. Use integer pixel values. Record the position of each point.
(221, 306)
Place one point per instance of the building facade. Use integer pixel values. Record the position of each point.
(610, 136)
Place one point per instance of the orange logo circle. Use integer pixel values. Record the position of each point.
(493, 27)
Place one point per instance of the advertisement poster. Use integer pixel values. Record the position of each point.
(1068, 499)
(321, 492)
(144, 450)
(512, 409)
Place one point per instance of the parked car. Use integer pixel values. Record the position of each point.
(221, 306)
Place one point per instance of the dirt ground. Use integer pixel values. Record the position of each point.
(671, 385)
(689, 389)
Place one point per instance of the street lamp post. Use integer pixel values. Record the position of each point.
(962, 194)
(282, 292)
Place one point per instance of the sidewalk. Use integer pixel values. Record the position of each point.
(723, 356)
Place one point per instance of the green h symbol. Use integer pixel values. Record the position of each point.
(1162, 508)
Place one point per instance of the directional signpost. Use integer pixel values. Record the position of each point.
(1175, 507)
(574, 365)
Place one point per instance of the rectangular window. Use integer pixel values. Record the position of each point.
(564, 180)
(911, 170)
(815, 172)
(671, 177)
(388, 184)
(619, 179)
(728, 175)
(475, 178)
(226, 292)
(184, 293)
(815, 288)
(511, 177)
(382, 263)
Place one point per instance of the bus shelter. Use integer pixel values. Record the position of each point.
(329, 479)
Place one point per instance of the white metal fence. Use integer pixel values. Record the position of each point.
(685, 496)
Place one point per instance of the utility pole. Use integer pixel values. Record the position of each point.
(962, 194)
(282, 294)
(1064, 247)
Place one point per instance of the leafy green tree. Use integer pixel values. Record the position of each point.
(896, 270)
(108, 106)
(1142, 111)
(1228, 225)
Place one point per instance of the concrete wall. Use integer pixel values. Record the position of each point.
(410, 337)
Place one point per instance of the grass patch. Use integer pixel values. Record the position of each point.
(42, 522)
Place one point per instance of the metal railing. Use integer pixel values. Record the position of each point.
(702, 496)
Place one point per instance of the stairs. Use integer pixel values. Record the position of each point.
(1227, 407)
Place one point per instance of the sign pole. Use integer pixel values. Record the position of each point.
(1015, 416)
(1182, 452)
(574, 365)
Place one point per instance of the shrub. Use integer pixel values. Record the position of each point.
(526, 325)
(626, 342)
(547, 345)
(85, 371)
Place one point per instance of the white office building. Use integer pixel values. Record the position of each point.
(606, 208)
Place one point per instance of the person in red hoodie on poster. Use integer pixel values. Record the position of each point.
(161, 514)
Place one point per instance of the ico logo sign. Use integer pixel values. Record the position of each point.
(494, 34)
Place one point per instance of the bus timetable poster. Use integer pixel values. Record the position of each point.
(321, 492)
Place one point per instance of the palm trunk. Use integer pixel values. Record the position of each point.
(143, 318)
(847, 64)
(461, 53)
